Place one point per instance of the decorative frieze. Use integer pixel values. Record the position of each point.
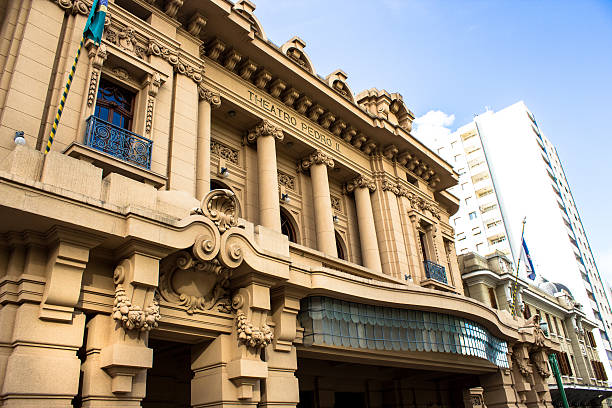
(225, 152)
(286, 180)
(265, 128)
(317, 157)
(336, 203)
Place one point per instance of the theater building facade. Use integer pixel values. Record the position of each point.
(219, 225)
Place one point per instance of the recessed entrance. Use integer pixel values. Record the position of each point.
(169, 381)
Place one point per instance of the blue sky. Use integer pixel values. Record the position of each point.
(459, 56)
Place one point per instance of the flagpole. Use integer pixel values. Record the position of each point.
(518, 264)
(93, 31)
(60, 109)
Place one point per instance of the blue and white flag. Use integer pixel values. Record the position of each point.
(526, 260)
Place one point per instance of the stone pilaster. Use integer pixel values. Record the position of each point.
(208, 100)
(317, 163)
(97, 55)
(370, 253)
(266, 134)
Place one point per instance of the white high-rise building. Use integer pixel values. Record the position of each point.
(509, 171)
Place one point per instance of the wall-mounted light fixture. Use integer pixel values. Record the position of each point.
(285, 197)
(19, 139)
(336, 219)
(223, 171)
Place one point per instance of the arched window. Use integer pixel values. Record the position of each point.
(115, 104)
(287, 227)
(340, 247)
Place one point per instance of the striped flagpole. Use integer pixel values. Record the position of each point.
(60, 109)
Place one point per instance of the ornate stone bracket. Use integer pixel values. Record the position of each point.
(221, 207)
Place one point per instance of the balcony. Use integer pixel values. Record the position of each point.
(118, 142)
(435, 272)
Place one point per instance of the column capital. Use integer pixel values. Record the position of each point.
(316, 157)
(360, 182)
(209, 96)
(265, 128)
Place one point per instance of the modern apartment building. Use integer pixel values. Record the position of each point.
(509, 171)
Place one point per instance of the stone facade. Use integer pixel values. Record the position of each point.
(491, 280)
(217, 225)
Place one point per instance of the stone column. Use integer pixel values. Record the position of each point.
(265, 133)
(365, 220)
(318, 162)
(208, 100)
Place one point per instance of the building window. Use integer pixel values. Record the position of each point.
(423, 247)
(340, 247)
(492, 298)
(473, 215)
(287, 227)
(115, 104)
(564, 364)
(497, 240)
(476, 231)
(468, 201)
(526, 311)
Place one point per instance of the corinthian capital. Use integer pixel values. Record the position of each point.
(265, 128)
(317, 157)
(209, 96)
(360, 182)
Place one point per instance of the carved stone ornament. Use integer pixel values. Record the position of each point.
(317, 157)
(360, 182)
(93, 85)
(213, 98)
(149, 117)
(132, 317)
(198, 286)
(286, 180)
(73, 6)
(265, 128)
(172, 57)
(221, 207)
(388, 185)
(540, 365)
(251, 337)
(522, 366)
(223, 151)
(335, 203)
(125, 39)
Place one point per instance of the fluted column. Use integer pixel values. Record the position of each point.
(265, 133)
(208, 100)
(370, 253)
(318, 162)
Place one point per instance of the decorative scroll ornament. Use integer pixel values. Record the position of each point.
(360, 182)
(265, 128)
(172, 57)
(251, 337)
(221, 207)
(132, 317)
(213, 98)
(198, 286)
(74, 6)
(317, 157)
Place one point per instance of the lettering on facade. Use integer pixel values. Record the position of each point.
(293, 120)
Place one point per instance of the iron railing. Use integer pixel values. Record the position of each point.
(118, 142)
(435, 271)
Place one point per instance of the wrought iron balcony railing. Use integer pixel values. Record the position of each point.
(118, 142)
(435, 271)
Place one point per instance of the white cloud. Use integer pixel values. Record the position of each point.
(432, 127)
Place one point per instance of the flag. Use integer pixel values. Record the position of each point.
(95, 21)
(526, 258)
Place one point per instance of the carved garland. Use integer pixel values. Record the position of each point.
(251, 337)
(130, 316)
